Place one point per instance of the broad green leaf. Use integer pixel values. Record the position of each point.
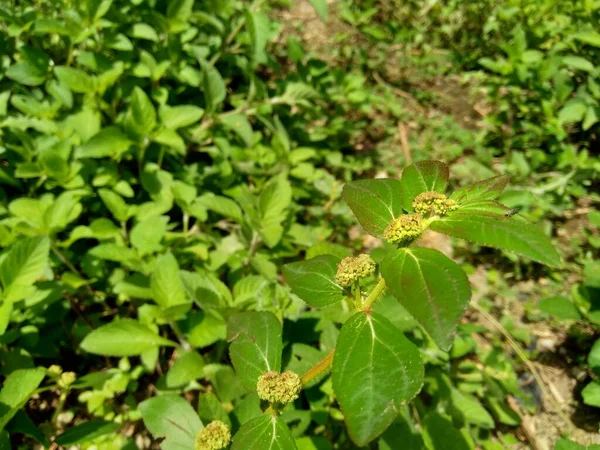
(125, 337)
(23, 265)
(239, 124)
(559, 307)
(574, 111)
(376, 369)
(146, 235)
(264, 432)
(432, 287)
(26, 74)
(589, 37)
(144, 31)
(489, 189)
(110, 142)
(76, 79)
(258, 26)
(256, 345)
(142, 112)
(178, 14)
(401, 431)
(274, 202)
(594, 357)
(424, 176)
(375, 203)
(17, 388)
(206, 290)
(511, 234)
(115, 204)
(320, 7)
(213, 86)
(564, 444)
(210, 408)
(172, 418)
(578, 63)
(591, 394)
(171, 139)
(167, 287)
(187, 367)
(488, 208)
(175, 117)
(313, 280)
(591, 274)
(221, 205)
(22, 423)
(86, 432)
(469, 410)
(440, 434)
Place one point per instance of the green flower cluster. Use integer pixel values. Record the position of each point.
(276, 387)
(403, 229)
(433, 202)
(214, 436)
(352, 268)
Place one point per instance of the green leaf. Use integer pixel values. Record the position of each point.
(142, 112)
(210, 408)
(256, 345)
(213, 86)
(591, 274)
(591, 394)
(274, 202)
(23, 265)
(578, 63)
(76, 79)
(221, 205)
(258, 26)
(167, 287)
(594, 357)
(188, 367)
(109, 142)
(22, 423)
(375, 203)
(440, 434)
(589, 37)
(313, 280)
(376, 369)
(180, 116)
(489, 189)
(572, 112)
(239, 124)
(508, 233)
(172, 418)
(147, 235)
(320, 7)
(563, 444)
(17, 388)
(432, 287)
(144, 31)
(115, 204)
(171, 139)
(424, 176)
(178, 14)
(86, 432)
(125, 337)
(401, 433)
(26, 74)
(470, 410)
(559, 307)
(264, 432)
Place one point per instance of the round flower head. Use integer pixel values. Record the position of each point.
(403, 229)
(213, 436)
(276, 387)
(352, 268)
(433, 202)
(66, 379)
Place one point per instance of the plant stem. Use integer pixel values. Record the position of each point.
(184, 343)
(374, 295)
(320, 369)
(186, 223)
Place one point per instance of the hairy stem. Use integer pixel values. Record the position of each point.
(319, 370)
(374, 295)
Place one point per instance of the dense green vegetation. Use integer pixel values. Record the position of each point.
(164, 163)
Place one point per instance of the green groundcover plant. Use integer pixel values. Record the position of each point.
(375, 369)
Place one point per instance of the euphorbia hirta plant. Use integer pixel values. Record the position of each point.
(375, 368)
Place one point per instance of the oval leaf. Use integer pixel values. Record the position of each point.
(432, 287)
(313, 280)
(421, 177)
(256, 345)
(508, 233)
(489, 189)
(264, 432)
(126, 337)
(376, 369)
(374, 202)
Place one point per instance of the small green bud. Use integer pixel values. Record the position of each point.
(213, 436)
(54, 371)
(433, 202)
(352, 268)
(403, 229)
(66, 379)
(276, 387)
